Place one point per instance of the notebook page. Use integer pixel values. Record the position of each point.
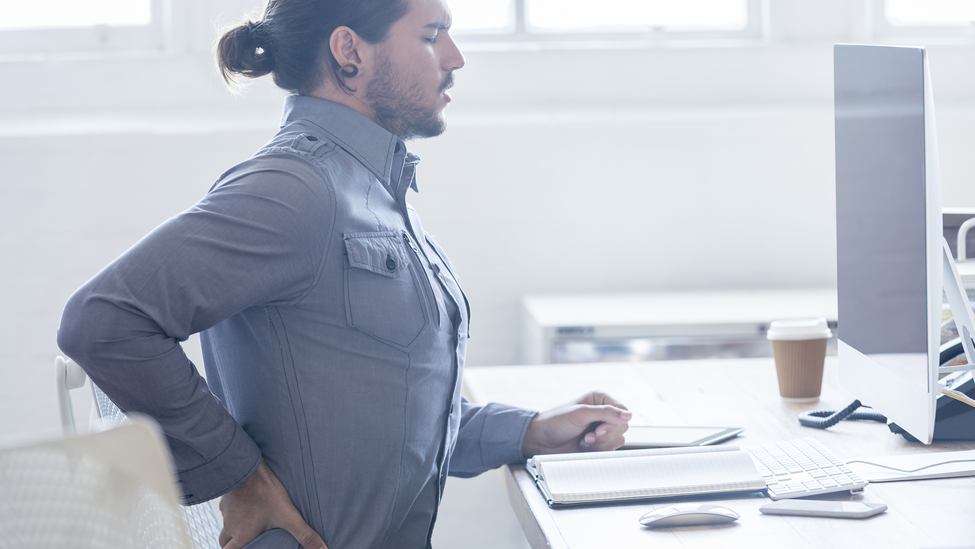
(650, 476)
(535, 461)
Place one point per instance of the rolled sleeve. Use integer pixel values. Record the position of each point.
(490, 436)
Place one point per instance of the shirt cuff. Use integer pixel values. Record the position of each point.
(223, 473)
(504, 434)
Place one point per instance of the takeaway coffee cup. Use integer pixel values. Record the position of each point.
(799, 348)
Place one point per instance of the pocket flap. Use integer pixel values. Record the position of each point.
(381, 253)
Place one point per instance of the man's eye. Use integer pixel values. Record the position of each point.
(431, 39)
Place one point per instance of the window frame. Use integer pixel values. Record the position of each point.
(520, 32)
(157, 36)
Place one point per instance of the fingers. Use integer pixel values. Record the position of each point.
(605, 437)
(606, 413)
(606, 399)
(607, 425)
(236, 538)
(308, 538)
(229, 542)
(259, 504)
(598, 398)
(606, 431)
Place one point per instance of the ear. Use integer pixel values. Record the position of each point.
(345, 44)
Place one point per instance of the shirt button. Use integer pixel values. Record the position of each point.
(311, 138)
(390, 263)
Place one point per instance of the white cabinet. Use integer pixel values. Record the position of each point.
(663, 325)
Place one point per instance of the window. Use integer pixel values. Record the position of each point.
(949, 20)
(930, 12)
(45, 26)
(575, 20)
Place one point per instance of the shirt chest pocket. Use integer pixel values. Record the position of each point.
(384, 296)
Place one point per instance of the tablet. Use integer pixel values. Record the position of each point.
(643, 436)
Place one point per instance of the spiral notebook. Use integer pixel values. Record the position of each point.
(605, 477)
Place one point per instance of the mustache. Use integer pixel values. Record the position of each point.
(447, 83)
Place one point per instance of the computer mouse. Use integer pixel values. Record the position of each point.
(688, 514)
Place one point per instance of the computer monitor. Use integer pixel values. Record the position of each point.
(892, 261)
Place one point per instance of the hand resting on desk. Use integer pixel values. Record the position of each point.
(595, 422)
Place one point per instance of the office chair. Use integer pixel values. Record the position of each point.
(112, 489)
(202, 520)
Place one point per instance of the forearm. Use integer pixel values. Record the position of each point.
(490, 436)
(143, 370)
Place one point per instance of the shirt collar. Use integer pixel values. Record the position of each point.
(373, 146)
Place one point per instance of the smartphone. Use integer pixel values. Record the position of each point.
(823, 508)
(642, 436)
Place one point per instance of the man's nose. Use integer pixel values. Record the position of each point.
(453, 58)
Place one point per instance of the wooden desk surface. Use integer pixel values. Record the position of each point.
(734, 393)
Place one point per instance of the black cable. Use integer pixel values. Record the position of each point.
(822, 419)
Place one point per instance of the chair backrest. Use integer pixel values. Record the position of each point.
(109, 489)
(109, 414)
(68, 376)
(202, 520)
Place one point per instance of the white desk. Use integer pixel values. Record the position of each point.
(928, 513)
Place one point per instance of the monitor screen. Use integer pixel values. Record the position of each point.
(881, 210)
(890, 250)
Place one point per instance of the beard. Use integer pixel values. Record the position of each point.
(400, 104)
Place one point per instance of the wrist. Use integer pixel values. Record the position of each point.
(529, 444)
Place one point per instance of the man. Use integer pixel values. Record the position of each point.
(334, 328)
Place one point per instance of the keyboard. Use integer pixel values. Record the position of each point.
(802, 467)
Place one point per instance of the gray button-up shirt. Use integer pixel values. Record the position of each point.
(333, 331)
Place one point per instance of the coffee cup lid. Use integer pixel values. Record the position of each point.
(810, 328)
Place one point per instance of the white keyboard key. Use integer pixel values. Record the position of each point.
(802, 467)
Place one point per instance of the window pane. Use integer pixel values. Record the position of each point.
(930, 12)
(629, 15)
(481, 15)
(36, 14)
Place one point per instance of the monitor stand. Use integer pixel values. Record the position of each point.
(954, 420)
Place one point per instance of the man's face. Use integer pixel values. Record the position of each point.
(414, 69)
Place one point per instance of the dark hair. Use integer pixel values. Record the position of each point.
(291, 41)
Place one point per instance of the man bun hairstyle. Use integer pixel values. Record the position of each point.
(243, 50)
(291, 41)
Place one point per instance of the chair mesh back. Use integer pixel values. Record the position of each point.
(202, 520)
(50, 498)
(203, 524)
(107, 410)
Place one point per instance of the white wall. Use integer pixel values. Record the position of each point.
(563, 170)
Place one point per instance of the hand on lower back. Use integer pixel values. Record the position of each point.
(258, 505)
